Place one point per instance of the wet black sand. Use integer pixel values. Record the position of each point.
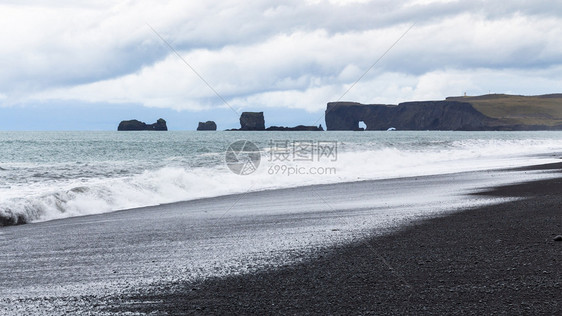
(499, 259)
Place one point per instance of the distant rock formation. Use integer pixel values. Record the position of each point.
(252, 121)
(135, 125)
(207, 126)
(296, 128)
(431, 115)
(488, 112)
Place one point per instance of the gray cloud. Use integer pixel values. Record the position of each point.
(250, 51)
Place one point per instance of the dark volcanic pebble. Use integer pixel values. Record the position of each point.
(491, 260)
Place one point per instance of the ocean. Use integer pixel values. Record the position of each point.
(53, 175)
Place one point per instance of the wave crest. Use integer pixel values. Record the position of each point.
(164, 185)
(22, 203)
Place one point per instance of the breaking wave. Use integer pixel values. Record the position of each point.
(62, 197)
(104, 195)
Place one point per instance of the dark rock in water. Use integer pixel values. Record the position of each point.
(207, 126)
(296, 128)
(558, 238)
(252, 121)
(135, 125)
(10, 219)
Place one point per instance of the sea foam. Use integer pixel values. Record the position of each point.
(76, 196)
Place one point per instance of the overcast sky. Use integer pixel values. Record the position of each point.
(86, 65)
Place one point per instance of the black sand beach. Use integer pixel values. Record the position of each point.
(493, 259)
(499, 259)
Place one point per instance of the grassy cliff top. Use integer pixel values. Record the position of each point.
(518, 109)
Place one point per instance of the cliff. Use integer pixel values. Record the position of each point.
(459, 113)
(135, 125)
(518, 110)
(432, 115)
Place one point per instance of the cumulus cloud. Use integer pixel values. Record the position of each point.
(290, 54)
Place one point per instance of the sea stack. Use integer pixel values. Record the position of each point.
(252, 121)
(136, 125)
(207, 126)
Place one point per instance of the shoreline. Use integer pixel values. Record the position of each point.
(539, 167)
(304, 250)
(492, 259)
(42, 191)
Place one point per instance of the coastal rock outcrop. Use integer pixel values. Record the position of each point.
(136, 125)
(430, 115)
(296, 128)
(207, 126)
(486, 112)
(252, 121)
